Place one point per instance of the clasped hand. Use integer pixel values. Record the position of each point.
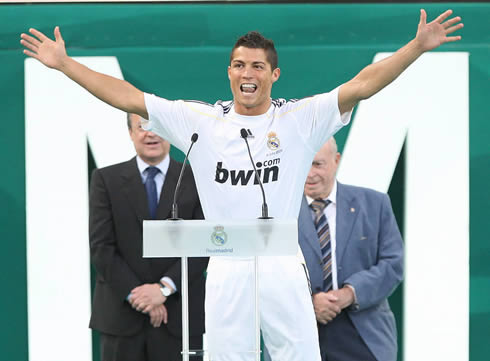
(146, 297)
(328, 305)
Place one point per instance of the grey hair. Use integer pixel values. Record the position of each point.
(333, 145)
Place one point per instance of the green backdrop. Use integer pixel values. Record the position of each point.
(182, 51)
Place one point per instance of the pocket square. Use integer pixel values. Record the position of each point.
(363, 238)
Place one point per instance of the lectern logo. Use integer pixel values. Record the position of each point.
(219, 236)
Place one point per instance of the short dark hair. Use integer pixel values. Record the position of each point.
(255, 40)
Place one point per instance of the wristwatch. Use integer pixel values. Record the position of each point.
(165, 291)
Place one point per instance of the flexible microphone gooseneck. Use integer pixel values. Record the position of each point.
(265, 209)
(175, 209)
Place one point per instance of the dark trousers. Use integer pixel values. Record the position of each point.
(151, 344)
(340, 341)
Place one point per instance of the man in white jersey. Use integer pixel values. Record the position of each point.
(286, 136)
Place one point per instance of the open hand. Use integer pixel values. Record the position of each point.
(50, 53)
(431, 35)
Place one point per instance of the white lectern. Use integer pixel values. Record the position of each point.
(208, 238)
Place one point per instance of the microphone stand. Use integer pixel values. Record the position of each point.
(265, 209)
(184, 266)
(175, 209)
(265, 215)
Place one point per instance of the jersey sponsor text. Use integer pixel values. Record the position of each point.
(268, 171)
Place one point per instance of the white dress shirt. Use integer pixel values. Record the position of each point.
(160, 177)
(159, 180)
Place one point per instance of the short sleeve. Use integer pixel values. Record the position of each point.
(171, 120)
(320, 118)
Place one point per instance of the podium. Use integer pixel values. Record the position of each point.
(208, 238)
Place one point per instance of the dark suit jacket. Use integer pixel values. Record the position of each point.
(369, 257)
(118, 206)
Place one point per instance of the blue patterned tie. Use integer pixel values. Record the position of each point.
(151, 190)
(321, 224)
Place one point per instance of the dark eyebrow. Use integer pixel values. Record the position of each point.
(242, 62)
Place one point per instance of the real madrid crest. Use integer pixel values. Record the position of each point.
(273, 141)
(219, 236)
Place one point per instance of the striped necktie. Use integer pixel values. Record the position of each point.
(323, 231)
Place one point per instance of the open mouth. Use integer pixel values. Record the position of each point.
(151, 143)
(248, 88)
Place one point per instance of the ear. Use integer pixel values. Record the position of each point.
(276, 73)
(229, 70)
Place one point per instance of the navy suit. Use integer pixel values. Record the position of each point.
(369, 253)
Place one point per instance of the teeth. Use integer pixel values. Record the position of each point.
(248, 86)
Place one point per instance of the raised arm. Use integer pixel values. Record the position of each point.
(115, 92)
(376, 76)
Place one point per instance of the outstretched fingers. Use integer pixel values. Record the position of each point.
(30, 39)
(57, 34)
(452, 29)
(38, 34)
(450, 39)
(443, 16)
(451, 22)
(29, 45)
(423, 17)
(31, 54)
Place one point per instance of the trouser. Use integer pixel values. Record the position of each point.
(340, 341)
(287, 318)
(150, 344)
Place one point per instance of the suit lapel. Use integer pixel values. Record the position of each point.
(307, 228)
(168, 189)
(135, 190)
(347, 211)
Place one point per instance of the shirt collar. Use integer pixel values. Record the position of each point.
(332, 197)
(250, 118)
(163, 165)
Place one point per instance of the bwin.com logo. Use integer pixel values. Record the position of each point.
(268, 171)
(219, 236)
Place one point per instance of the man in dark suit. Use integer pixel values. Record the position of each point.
(121, 197)
(354, 254)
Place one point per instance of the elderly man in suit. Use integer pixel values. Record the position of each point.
(354, 254)
(137, 304)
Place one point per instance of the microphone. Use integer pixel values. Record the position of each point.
(265, 209)
(175, 209)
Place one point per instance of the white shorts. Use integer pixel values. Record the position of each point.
(287, 317)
